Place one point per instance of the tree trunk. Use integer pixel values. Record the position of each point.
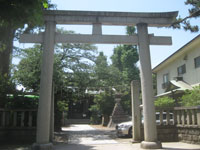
(6, 48)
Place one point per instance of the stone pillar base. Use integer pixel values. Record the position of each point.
(151, 145)
(36, 146)
(135, 141)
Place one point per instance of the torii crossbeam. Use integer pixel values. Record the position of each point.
(97, 19)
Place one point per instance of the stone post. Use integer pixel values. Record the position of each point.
(136, 114)
(52, 115)
(198, 115)
(44, 109)
(150, 132)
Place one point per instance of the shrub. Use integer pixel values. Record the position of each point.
(22, 102)
(191, 97)
(164, 102)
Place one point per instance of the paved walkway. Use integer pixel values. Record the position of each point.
(85, 137)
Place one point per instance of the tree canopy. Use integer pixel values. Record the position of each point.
(22, 12)
(193, 12)
(125, 58)
(73, 64)
(191, 97)
(14, 15)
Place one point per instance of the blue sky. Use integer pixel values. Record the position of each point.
(158, 53)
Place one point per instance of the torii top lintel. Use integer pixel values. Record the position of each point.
(153, 19)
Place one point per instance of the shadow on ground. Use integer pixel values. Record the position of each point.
(73, 147)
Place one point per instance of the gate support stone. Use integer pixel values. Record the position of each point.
(44, 108)
(150, 132)
(136, 114)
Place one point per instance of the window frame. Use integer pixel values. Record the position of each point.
(166, 75)
(197, 65)
(181, 70)
(165, 82)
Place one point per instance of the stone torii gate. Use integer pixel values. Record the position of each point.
(97, 19)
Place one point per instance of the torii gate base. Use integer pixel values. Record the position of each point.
(97, 19)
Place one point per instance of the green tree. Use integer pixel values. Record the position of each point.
(103, 106)
(28, 70)
(193, 12)
(14, 14)
(6, 87)
(101, 70)
(154, 83)
(73, 64)
(191, 97)
(118, 75)
(125, 58)
(105, 75)
(164, 102)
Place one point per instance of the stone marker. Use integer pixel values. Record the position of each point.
(136, 114)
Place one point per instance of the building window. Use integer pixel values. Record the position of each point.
(165, 78)
(197, 62)
(165, 81)
(181, 70)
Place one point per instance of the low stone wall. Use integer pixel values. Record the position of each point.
(189, 134)
(166, 133)
(172, 133)
(17, 136)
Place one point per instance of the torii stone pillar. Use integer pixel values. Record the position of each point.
(150, 132)
(44, 109)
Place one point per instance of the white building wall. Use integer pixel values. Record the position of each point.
(192, 75)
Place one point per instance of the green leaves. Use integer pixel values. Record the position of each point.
(164, 102)
(193, 12)
(125, 58)
(191, 97)
(73, 64)
(45, 5)
(28, 70)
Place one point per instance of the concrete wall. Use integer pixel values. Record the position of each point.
(192, 75)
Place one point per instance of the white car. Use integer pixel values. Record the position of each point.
(125, 128)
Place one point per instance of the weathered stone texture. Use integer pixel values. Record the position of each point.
(189, 135)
